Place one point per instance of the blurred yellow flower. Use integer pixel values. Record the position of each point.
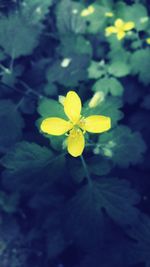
(87, 11)
(148, 40)
(119, 28)
(76, 126)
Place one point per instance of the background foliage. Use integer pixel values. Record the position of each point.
(50, 214)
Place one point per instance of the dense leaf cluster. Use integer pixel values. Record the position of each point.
(57, 210)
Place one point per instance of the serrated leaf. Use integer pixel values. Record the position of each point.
(140, 64)
(99, 166)
(108, 85)
(119, 68)
(68, 17)
(96, 70)
(96, 20)
(17, 36)
(71, 73)
(122, 146)
(135, 12)
(27, 164)
(110, 107)
(50, 108)
(75, 44)
(11, 125)
(36, 10)
(84, 220)
(9, 77)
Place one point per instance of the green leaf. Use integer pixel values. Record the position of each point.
(27, 104)
(76, 170)
(11, 125)
(18, 37)
(119, 65)
(29, 165)
(136, 13)
(36, 10)
(83, 218)
(119, 68)
(122, 146)
(57, 142)
(50, 89)
(75, 44)
(9, 77)
(69, 71)
(110, 107)
(96, 69)
(50, 108)
(96, 20)
(99, 166)
(140, 64)
(108, 85)
(68, 17)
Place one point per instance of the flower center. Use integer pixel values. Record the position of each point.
(120, 28)
(81, 123)
(78, 126)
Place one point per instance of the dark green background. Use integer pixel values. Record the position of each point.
(51, 215)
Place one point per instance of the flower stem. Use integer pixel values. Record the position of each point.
(86, 170)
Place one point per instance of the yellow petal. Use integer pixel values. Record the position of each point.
(72, 106)
(75, 142)
(97, 124)
(119, 23)
(110, 30)
(55, 126)
(120, 35)
(87, 11)
(128, 26)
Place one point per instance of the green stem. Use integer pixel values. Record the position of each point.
(86, 170)
(32, 90)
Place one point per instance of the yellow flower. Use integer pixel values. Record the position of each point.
(76, 126)
(120, 28)
(148, 40)
(87, 11)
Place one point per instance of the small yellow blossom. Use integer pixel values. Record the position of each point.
(109, 14)
(148, 40)
(76, 126)
(87, 11)
(119, 28)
